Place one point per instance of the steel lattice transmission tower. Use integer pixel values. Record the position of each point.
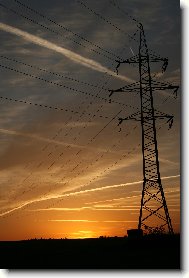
(154, 215)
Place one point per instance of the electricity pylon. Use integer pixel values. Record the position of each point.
(154, 216)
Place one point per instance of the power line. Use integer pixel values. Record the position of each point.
(51, 30)
(31, 173)
(102, 172)
(100, 156)
(124, 12)
(48, 107)
(45, 106)
(104, 19)
(84, 126)
(96, 159)
(93, 179)
(94, 137)
(33, 187)
(64, 28)
(59, 85)
(67, 145)
(101, 106)
(105, 126)
(53, 73)
(55, 108)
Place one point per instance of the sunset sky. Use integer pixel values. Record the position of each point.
(67, 169)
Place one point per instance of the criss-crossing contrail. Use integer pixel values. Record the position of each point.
(50, 141)
(66, 52)
(74, 193)
(37, 137)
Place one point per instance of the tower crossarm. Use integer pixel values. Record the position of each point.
(164, 86)
(135, 87)
(135, 60)
(155, 59)
(134, 116)
(132, 60)
(158, 115)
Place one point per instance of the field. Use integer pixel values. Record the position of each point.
(149, 252)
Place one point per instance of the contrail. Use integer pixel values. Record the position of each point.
(67, 53)
(78, 193)
(50, 141)
(72, 220)
(40, 138)
(170, 177)
(91, 221)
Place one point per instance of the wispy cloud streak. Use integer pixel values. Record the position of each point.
(51, 197)
(51, 141)
(66, 52)
(92, 221)
(40, 138)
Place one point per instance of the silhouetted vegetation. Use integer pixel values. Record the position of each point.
(149, 252)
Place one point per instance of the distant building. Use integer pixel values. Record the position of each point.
(135, 233)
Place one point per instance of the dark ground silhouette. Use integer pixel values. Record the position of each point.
(149, 252)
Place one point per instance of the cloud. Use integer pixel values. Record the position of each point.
(72, 220)
(67, 53)
(58, 196)
(95, 207)
(84, 220)
(115, 201)
(37, 137)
